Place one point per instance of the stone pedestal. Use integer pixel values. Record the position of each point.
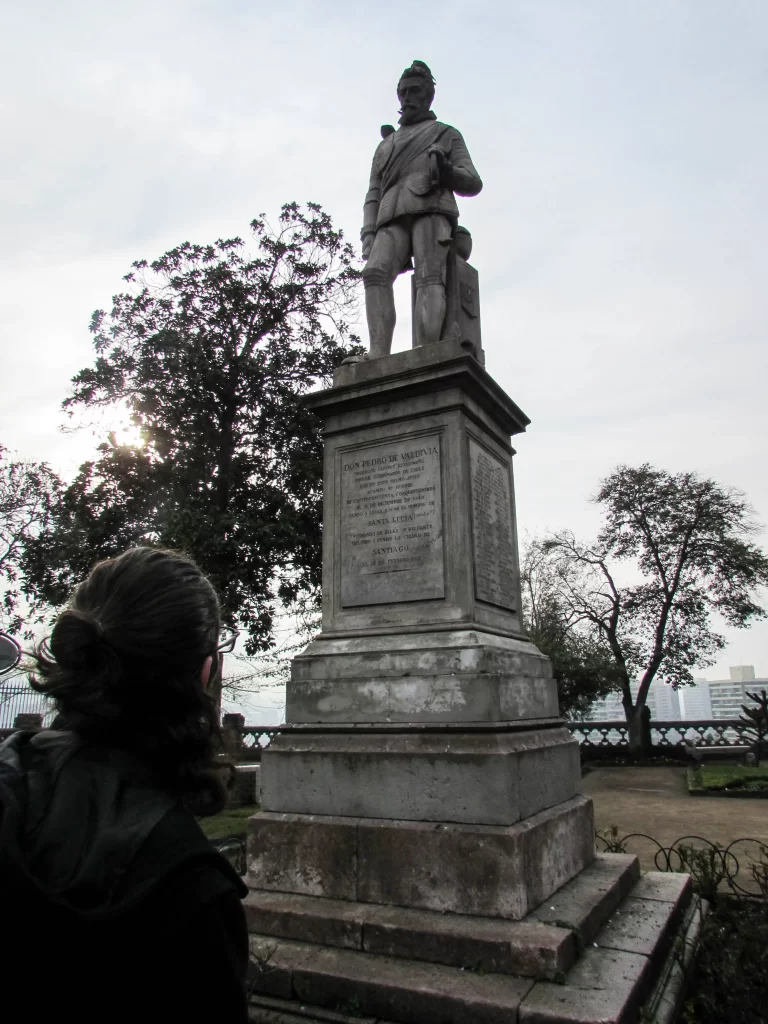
(421, 810)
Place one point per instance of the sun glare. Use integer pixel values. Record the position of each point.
(129, 435)
(116, 423)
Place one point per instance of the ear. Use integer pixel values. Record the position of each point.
(205, 672)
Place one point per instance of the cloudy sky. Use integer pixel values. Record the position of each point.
(620, 236)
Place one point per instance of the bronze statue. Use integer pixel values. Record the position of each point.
(410, 213)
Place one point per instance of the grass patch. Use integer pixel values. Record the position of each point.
(713, 778)
(232, 821)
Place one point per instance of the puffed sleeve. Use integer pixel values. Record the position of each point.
(464, 179)
(373, 196)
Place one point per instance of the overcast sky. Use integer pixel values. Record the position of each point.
(620, 236)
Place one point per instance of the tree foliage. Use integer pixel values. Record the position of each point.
(211, 348)
(684, 545)
(29, 493)
(756, 717)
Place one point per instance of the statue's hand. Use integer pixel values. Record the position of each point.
(442, 168)
(367, 245)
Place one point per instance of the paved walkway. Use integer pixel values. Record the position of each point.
(656, 801)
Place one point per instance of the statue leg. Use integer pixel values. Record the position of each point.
(431, 238)
(390, 250)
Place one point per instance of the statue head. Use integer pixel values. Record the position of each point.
(415, 91)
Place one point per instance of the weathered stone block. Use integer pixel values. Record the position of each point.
(559, 843)
(303, 854)
(489, 871)
(493, 778)
(461, 675)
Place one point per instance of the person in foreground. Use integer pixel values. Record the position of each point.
(113, 905)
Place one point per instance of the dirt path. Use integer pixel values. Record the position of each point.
(656, 801)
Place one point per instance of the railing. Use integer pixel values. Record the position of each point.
(740, 868)
(250, 740)
(18, 699)
(707, 732)
(703, 733)
(256, 737)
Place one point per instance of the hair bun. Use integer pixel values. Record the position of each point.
(76, 640)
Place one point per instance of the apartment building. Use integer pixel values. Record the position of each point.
(727, 695)
(706, 699)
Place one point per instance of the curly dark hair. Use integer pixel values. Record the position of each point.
(123, 667)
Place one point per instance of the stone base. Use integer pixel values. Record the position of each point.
(489, 870)
(605, 948)
(490, 776)
(461, 675)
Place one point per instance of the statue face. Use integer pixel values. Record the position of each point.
(415, 99)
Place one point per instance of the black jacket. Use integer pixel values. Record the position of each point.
(113, 905)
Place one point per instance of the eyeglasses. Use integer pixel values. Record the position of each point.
(227, 640)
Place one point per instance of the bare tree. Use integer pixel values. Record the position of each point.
(582, 664)
(684, 542)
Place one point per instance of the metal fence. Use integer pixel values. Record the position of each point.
(18, 698)
(740, 868)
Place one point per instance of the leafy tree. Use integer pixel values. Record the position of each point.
(756, 716)
(582, 665)
(211, 349)
(29, 493)
(684, 542)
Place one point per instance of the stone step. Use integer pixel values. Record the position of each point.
(477, 943)
(366, 985)
(584, 904)
(266, 1010)
(615, 974)
(624, 965)
(543, 945)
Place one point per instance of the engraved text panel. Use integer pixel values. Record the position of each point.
(492, 534)
(391, 523)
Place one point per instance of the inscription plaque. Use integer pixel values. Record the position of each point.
(391, 523)
(492, 536)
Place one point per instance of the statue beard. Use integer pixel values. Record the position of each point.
(413, 115)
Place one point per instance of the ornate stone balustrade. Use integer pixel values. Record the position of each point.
(256, 738)
(706, 733)
(700, 733)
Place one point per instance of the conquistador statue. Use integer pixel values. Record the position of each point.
(410, 212)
